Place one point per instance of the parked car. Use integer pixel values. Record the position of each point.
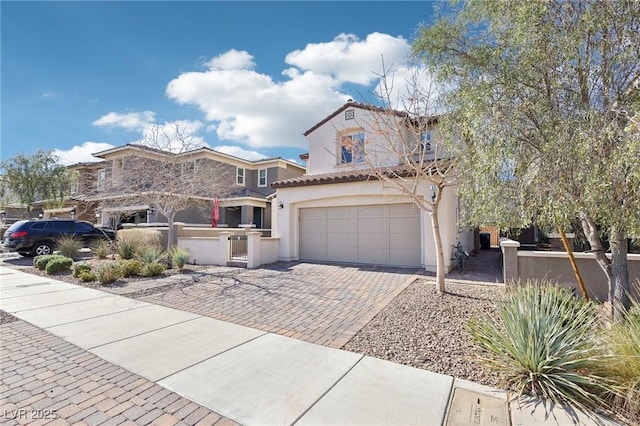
(37, 237)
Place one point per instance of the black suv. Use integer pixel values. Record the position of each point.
(36, 237)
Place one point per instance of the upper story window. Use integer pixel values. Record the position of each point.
(75, 186)
(262, 177)
(102, 177)
(240, 176)
(425, 141)
(352, 148)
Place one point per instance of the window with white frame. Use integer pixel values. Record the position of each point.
(352, 148)
(262, 177)
(75, 186)
(102, 177)
(240, 176)
(425, 141)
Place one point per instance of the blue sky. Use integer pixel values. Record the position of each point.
(246, 78)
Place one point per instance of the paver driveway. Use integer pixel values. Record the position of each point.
(318, 303)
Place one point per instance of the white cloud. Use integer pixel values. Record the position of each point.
(81, 153)
(129, 121)
(350, 59)
(243, 105)
(239, 152)
(232, 60)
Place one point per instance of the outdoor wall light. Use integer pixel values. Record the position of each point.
(73, 212)
(280, 205)
(3, 216)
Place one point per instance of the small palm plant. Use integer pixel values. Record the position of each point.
(546, 343)
(179, 257)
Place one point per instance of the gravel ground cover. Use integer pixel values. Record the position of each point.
(427, 330)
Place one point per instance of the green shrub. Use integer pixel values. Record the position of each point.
(544, 343)
(102, 248)
(80, 268)
(57, 265)
(179, 257)
(68, 246)
(152, 254)
(152, 269)
(108, 273)
(88, 276)
(130, 267)
(40, 262)
(126, 249)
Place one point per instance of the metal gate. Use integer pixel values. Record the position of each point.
(238, 247)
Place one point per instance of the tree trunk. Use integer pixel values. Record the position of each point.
(170, 219)
(616, 269)
(437, 239)
(618, 275)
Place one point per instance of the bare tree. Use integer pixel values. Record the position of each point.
(169, 170)
(408, 156)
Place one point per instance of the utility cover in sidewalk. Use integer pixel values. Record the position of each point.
(470, 408)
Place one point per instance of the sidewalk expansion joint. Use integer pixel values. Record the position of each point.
(140, 334)
(51, 306)
(211, 357)
(327, 391)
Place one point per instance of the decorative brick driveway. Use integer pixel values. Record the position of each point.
(318, 303)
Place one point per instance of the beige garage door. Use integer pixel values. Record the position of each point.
(380, 235)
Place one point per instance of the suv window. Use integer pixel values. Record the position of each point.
(83, 228)
(38, 226)
(63, 226)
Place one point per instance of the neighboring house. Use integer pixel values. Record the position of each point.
(248, 186)
(338, 212)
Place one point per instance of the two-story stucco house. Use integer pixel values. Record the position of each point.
(248, 186)
(340, 212)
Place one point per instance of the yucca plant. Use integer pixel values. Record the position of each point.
(152, 254)
(545, 342)
(179, 257)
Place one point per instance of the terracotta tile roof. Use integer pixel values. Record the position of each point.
(351, 175)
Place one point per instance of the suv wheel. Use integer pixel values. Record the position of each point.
(42, 248)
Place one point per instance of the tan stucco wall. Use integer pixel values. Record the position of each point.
(555, 266)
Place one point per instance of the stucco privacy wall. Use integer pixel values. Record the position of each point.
(364, 193)
(553, 265)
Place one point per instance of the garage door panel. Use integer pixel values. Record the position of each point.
(371, 225)
(374, 256)
(339, 225)
(371, 211)
(403, 210)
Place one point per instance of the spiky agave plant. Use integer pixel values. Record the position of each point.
(545, 342)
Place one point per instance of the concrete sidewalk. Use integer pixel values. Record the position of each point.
(251, 376)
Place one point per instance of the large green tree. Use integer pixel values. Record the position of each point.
(545, 95)
(37, 177)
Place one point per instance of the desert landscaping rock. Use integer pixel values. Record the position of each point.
(424, 329)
